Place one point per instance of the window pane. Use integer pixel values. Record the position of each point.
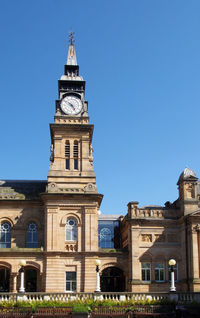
(75, 164)
(108, 234)
(32, 235)
(71, 230)
(148, 275)
(156, 274)
(69, 275)
(70, 281)
(74, 286)
(5, 235)
(146, 267)
(161, 275)
(67, 164)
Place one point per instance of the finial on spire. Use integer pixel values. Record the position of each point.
(71, 38)
(71, 57)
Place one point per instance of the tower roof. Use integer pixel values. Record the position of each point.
(186, 174)
(71, 57)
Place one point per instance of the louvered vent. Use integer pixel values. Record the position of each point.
(67, 150)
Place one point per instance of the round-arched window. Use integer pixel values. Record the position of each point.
(71, 230)
(5, 235)
(32, 235)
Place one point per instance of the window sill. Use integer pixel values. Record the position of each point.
(70, 291)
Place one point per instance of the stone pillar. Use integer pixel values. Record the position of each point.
(196, 248)
(194, 255)
(79, 241)
(13, 282)
(51, 229)
(134, 265)
(91, 229)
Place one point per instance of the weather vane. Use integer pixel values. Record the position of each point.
(71, 38)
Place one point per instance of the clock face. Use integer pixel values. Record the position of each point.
(71, 105)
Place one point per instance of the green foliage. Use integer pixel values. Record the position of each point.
(85, 305)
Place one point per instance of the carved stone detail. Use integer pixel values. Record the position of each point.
(91, 155)
(71, 247)
(52, 187)
(90, 187)
(146, 238)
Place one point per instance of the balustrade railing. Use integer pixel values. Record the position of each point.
(123, 296)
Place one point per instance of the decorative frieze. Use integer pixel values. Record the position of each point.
(62, 120)
(53, 188)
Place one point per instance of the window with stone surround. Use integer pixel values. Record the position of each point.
(71, 230)
(159, 272)
(146, 272)
(71, 281)
(32, 235)
(5, 235)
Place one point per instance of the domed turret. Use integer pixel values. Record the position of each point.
(187, 174)
(187, 185)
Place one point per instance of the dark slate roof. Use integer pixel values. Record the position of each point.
(21, 189)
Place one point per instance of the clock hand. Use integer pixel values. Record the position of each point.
(72, 105)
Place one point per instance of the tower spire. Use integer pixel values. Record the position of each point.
(71, 57)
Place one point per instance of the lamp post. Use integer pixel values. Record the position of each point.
(98, 263)
(22, 263)
(172, 263)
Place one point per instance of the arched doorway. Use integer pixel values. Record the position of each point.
(30, 279)
(112, 280)
(4, 279)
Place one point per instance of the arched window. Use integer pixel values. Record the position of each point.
(5, 235)
(71, 230)
(75, 155)
(32, 235)
(67, 155)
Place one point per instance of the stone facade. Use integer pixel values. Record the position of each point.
(55, 226)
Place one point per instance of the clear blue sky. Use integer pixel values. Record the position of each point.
(141, 63)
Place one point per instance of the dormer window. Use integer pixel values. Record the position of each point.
(67, 155)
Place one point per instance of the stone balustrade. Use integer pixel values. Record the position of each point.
(182, 297)
(150, 213)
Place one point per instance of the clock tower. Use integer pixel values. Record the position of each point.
(71, 168)
(71, 201)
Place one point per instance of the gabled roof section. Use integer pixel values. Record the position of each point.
(22, 189)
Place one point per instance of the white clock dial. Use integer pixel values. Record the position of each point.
(71, 105)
